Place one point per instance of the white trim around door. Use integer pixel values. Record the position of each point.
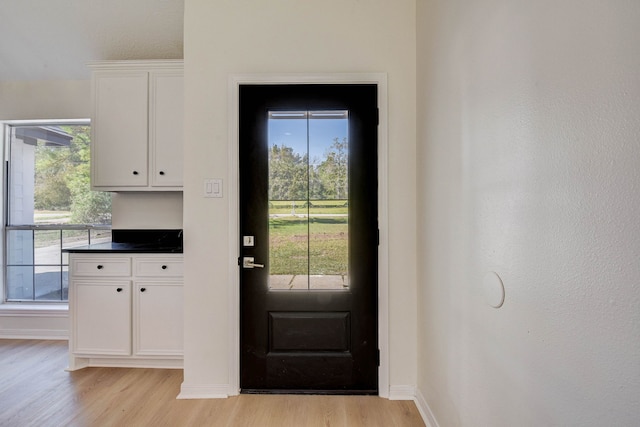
(235, 80)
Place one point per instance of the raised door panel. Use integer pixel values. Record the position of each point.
(159, 319)
(102, 317)
(120, 129)
(166, 110)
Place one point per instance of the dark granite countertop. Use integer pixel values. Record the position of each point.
(136, 241)
(125, 248)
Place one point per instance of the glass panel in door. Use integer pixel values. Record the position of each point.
(308, 200)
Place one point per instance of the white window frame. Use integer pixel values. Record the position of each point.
(24, 308)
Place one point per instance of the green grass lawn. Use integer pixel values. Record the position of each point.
(51, 217)
(308, 246)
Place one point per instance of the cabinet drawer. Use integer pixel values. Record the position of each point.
(105, 267)
(157, 267)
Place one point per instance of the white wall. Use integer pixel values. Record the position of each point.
(288, 36)
(528, 160)
(51, 99)
(140, 210)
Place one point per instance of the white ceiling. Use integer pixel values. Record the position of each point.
(54, 39)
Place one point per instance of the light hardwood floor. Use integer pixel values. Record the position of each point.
(35, 390)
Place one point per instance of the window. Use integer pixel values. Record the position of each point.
(48, 206)
(308, 157)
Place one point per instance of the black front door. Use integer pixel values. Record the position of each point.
(308, 238)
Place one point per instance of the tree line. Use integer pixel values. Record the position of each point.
(293, 177)
(63, 180)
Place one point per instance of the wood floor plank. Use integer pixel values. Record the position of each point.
(35, 390)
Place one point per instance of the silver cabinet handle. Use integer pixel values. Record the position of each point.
(248, 262)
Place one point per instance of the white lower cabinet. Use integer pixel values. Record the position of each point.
(125, 310)
(157, 305)
(102, 317)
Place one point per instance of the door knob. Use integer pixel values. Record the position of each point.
(247, 262)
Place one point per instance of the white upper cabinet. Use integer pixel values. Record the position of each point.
(166, 107)
(137, 125)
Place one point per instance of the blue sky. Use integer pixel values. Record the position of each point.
(293, 133)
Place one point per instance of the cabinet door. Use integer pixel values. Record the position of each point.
(120, 129)
(102, 317)
(166, 110)
(158, 318)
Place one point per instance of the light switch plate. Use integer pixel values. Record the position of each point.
(213, 188)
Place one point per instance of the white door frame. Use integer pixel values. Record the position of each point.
(235, 80)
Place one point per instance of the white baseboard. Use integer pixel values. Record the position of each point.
(203, 391)
(409, 392)
(424, 409)
(34, 334)
(402, 392)
(84, 361)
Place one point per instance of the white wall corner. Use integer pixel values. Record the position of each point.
(203, 391)
(424, 409)
(410, 392)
